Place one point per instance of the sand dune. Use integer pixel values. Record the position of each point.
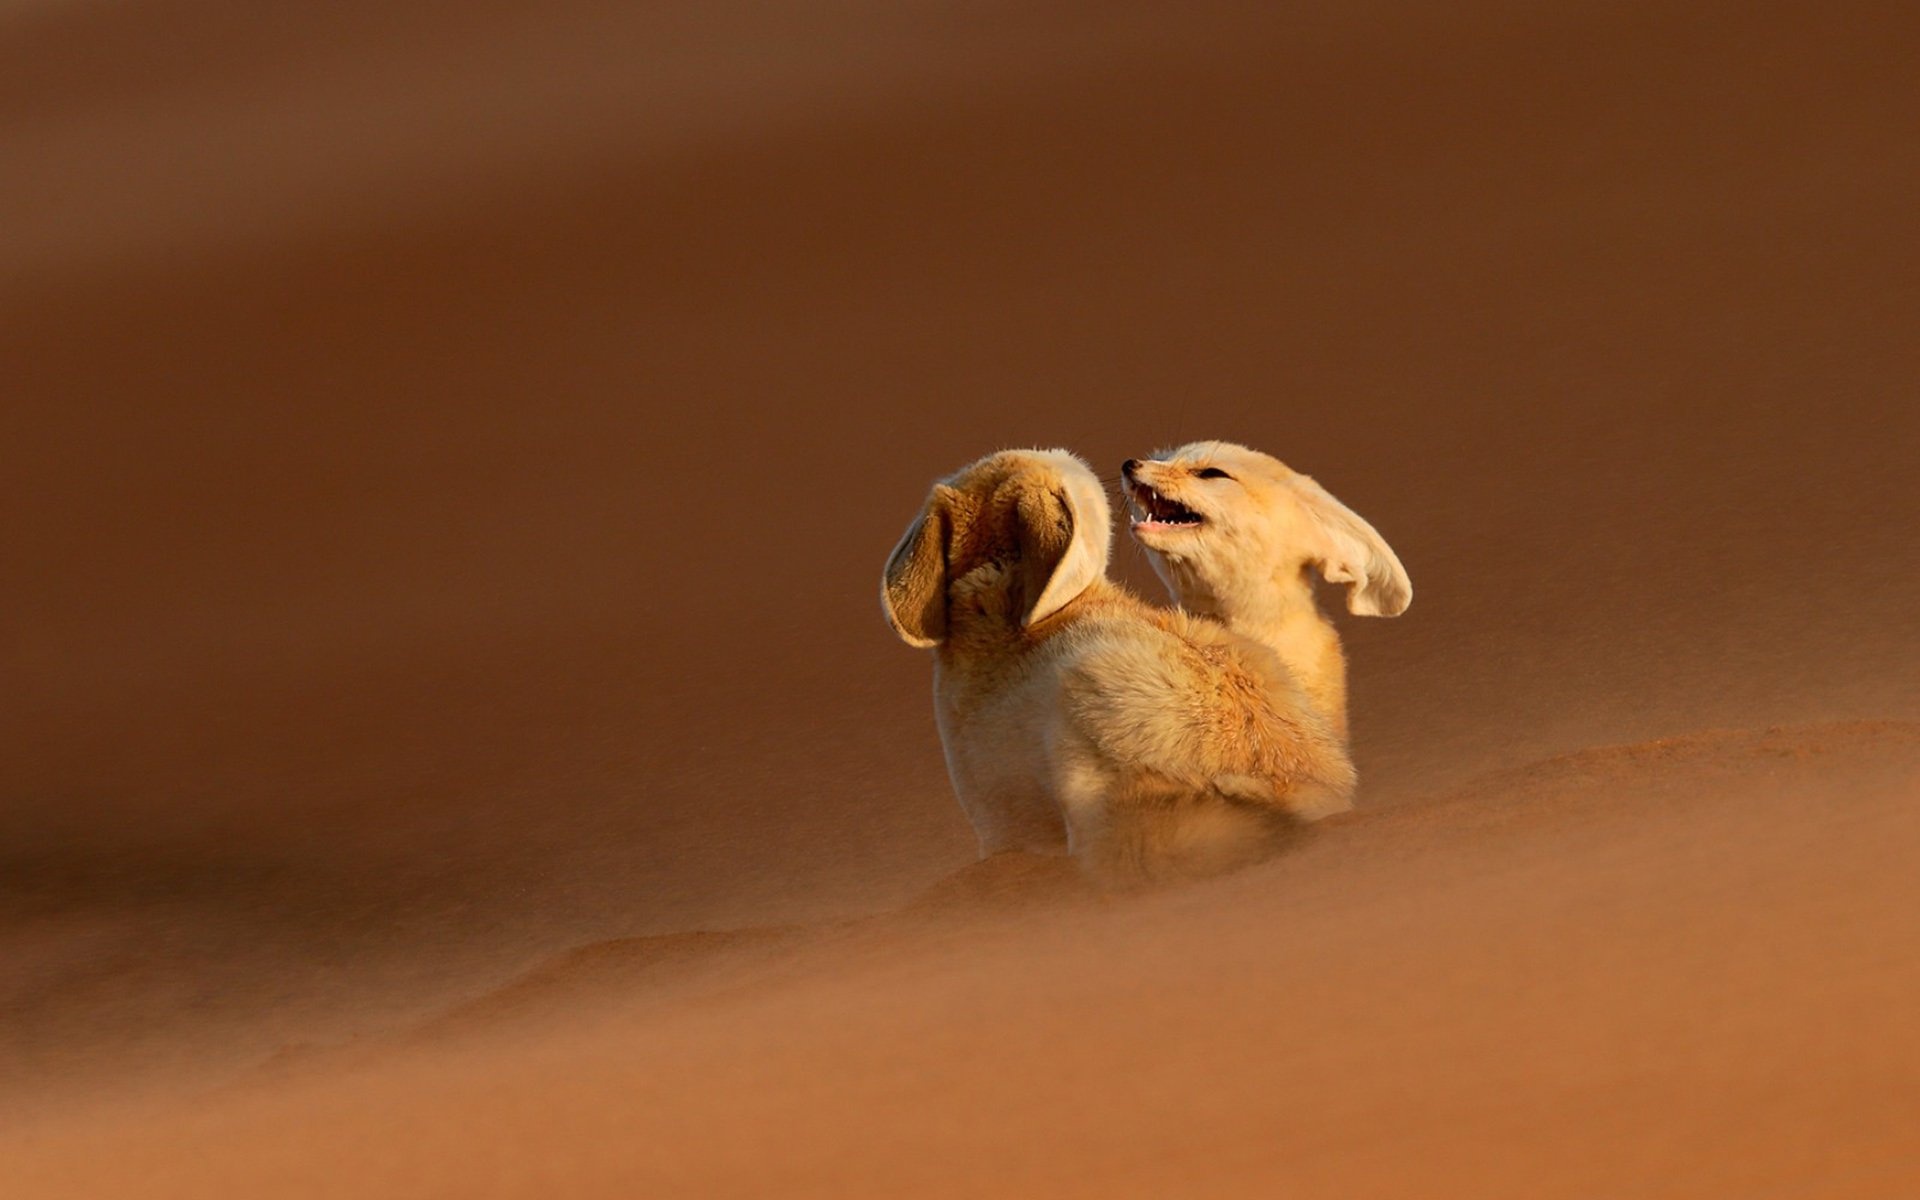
(1672, 968)
(448, 741)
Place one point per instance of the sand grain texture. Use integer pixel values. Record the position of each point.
(449, 743)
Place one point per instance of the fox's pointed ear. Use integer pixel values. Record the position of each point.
(913, 588)
(1350, 551)
(1066, 536)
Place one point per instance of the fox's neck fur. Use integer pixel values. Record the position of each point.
(1278, 611)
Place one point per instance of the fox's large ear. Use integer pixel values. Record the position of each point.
(1350, 551)
(913, 589)
(1066, 532)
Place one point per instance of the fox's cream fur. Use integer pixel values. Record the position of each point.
(1261, 528)
(1144, 741)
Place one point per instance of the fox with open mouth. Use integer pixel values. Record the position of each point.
(1235, 535)
(1148, 743)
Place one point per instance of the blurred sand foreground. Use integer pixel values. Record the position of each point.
(449, 744)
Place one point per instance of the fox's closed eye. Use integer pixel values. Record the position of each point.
(1212, 473)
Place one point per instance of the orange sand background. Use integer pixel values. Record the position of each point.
(449, 454)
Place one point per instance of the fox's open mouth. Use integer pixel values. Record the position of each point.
(1151, 510)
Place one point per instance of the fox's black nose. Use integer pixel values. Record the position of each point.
(1128, 467)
